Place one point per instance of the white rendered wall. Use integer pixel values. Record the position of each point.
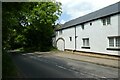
(97, 34)
(69, 33)
(66, 34)
(119, 29)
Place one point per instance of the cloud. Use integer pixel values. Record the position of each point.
(62, 21)
(77, 8)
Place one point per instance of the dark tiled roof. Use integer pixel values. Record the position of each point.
(109, 10)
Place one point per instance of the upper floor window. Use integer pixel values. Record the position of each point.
(90, 23)
(60, 32)
(82, 26)
(114, 42)
(106, 21)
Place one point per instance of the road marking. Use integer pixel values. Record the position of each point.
(61, 67)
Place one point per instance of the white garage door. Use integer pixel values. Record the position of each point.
(60, 45)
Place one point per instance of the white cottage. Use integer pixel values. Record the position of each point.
(97, 32)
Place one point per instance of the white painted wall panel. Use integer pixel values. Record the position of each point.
(67, 34)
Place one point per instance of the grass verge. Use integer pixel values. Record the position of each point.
(9, 70)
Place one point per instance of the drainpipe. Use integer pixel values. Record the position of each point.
(75, 39)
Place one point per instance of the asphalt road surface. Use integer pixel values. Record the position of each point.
(47, 65)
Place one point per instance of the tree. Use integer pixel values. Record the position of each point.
(29, 25)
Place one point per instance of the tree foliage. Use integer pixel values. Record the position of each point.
(29, 25)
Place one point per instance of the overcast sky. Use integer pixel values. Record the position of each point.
(76, 8)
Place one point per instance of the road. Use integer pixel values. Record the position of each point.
(46, 65)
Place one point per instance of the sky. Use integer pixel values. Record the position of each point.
(72, 9)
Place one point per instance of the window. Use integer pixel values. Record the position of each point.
(86, 42)
(60, 32)
(111, 42)
(90, 24)
(70, 38)
(114, 42)
(117, 41)
(82, 26)
(106, 21)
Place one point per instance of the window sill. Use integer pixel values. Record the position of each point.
(114, 49)
(85, 47)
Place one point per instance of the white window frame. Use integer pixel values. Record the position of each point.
(106, 21)
(114, 43)
(111, 44)
(86, 42)
(117, 42)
